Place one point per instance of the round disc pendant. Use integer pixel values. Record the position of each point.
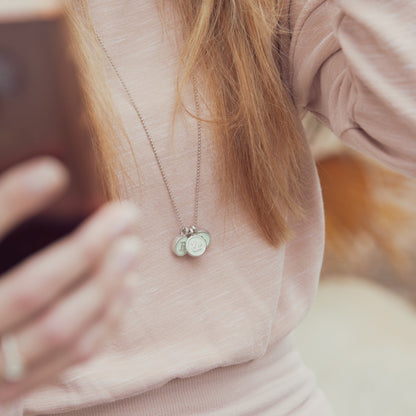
(179, 246)
(206, 236)
(196, 245)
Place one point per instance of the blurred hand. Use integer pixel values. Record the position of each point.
(63, 301)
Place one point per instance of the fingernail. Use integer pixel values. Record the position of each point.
(46, 174)
(125, 219)
(127, 254)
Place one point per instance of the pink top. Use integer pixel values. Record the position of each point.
(212, 336)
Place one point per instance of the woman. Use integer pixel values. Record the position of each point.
(211, 335)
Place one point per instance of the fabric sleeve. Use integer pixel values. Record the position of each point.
(353, 64)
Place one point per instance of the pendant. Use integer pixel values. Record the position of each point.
(179, 246)
(196, 245)
(191, 242)
(206, 236)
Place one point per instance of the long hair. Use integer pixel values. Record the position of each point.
(234, 45)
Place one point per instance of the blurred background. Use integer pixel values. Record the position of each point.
(360, 336)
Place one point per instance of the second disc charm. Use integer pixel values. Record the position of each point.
(179, 246)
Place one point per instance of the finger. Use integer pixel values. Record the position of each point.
(27, 188)
(82, 350)
(49, 372)
(63, 324)
(37, 282)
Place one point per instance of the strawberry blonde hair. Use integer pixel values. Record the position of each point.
(234, 45)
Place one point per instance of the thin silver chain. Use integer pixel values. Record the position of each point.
(152, 144)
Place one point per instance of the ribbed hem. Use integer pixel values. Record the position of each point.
(276, 384)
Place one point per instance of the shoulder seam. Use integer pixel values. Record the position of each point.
(292, 47)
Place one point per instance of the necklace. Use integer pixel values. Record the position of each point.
(190, 240)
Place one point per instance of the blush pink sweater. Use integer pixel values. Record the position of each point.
(212, 336)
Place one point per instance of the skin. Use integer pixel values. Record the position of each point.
(62, 302)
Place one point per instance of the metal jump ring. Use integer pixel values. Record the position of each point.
(185, 231)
